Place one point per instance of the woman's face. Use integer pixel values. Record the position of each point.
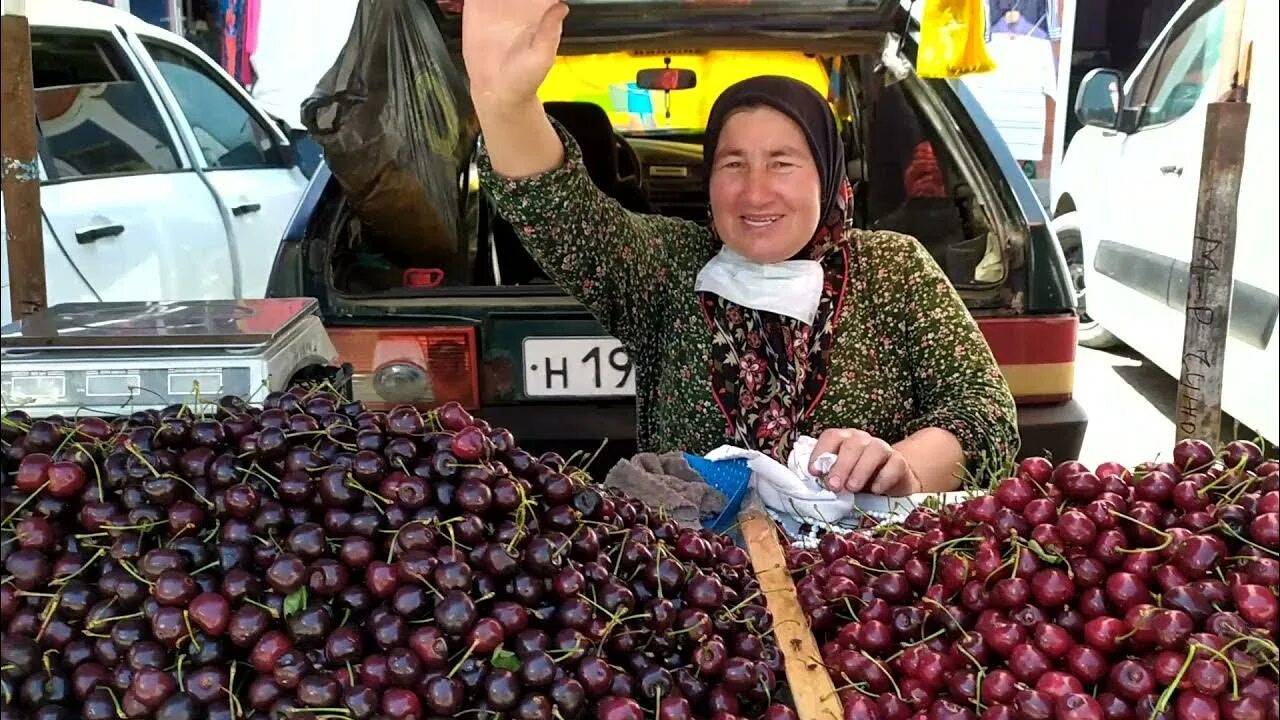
(765, 187)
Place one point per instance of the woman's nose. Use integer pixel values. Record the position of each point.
(758, 187)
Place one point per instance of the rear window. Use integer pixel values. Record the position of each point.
(96, 118)
(609, 81)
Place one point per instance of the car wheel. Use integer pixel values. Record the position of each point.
(1090, 334)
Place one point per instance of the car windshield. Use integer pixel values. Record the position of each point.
(609, 81)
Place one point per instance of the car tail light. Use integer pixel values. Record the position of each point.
(415, 366)
(1037, 355)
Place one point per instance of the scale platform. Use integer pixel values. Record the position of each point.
(116, 358)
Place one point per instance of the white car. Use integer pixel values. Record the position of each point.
(1126, 193)
(161, 178)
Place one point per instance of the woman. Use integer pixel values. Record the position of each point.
(776, 321)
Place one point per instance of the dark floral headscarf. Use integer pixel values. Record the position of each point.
(769, 371)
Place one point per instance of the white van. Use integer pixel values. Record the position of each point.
(161, 179)
(1126, 193)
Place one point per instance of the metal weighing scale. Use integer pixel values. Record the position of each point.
(119, 357)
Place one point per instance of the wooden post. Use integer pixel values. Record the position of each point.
(20, 182)
(1209, 281)
(1213, 251)
(811, 687)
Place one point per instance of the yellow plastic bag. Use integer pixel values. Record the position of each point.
(952, 39)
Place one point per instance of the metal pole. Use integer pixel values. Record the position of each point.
(20, 182)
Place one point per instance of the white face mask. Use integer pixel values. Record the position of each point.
(792, 288)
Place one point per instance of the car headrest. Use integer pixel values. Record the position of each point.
(589, 124)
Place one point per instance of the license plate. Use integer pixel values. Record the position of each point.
(577, 367)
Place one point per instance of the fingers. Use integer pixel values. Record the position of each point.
(852, 444)
(894, 477)
(547, 39)
(828, 442)
(873, 457)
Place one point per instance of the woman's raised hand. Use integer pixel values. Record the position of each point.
(509, 47)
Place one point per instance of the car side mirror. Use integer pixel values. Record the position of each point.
(1099, 98)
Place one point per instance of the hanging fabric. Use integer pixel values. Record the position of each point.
(952, 34)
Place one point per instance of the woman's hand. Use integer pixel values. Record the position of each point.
(864, 463)
(509, 47)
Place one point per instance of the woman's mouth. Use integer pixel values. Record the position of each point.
(760, 221)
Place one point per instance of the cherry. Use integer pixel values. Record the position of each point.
(1265, 529)
(1256, 604)
(1244, 707)
(1125, 590)
(678, 708)
(1191, 705)
(568, 696)
(211, 612)
(1037, 471)
(1027, 663)
(401, 704)
(1239, 453)
(1040, 511)
(1171, 628)
(33, 472)
(66, 479)
(1078, 706)
(152, 686)
(1130, 680)
(1034, 705)
(618, 708)
(999, 685)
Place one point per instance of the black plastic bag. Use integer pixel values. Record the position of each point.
(395, 120)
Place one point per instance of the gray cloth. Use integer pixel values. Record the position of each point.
(666, 482)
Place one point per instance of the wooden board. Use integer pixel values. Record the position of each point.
(811, 688)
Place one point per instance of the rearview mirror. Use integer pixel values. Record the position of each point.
(1099, 97)
(666, 79)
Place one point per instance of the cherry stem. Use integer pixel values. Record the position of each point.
(896, 690)
(1247, 541)
(268, 608)
(23, 504)
(115, 701)
(67, 578)
(465, 655)
(128, 567)
(1158, 532)
(1163, 703)
(1235, 683)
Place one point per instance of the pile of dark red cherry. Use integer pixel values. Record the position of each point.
(312, 560)
(1066, 594)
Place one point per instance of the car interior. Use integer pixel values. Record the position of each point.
(904, 176)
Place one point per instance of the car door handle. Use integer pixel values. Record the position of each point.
(84, 236)
(245, 209)
(1171, 170)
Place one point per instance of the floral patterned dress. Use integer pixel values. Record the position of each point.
(907, 355)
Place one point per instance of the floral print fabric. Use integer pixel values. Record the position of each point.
(906, 354)
(768, 371)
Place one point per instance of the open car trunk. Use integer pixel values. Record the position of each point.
(914, 169)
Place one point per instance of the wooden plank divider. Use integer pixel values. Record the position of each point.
(812, 691)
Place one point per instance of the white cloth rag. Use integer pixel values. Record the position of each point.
(792, 288)
(792, 491)
(790, 488)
